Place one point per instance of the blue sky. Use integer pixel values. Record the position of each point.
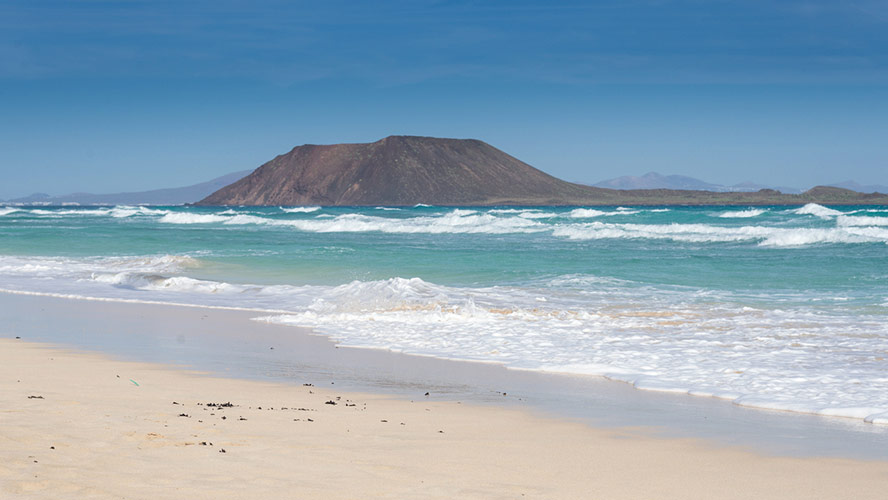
(102, 95)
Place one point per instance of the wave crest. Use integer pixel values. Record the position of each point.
(817, 210)
(743, 214)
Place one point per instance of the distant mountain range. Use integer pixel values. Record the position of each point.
(654, 180)
(169, 196)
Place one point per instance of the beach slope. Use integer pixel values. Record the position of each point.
(75, 425)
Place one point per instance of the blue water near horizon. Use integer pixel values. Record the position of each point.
(770, 307)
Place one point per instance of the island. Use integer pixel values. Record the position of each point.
(411, 170)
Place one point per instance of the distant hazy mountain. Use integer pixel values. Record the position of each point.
(871, 188)
(169, 196)
(752, 186)
(653, 180)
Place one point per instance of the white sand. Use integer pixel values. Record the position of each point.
(96, 434)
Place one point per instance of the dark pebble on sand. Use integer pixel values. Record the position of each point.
(331, 402)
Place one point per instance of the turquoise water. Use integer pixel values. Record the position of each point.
(775, 307)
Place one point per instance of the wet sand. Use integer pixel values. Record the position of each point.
(81, 425)
(227, 343)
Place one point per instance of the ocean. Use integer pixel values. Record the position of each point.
(768, 307)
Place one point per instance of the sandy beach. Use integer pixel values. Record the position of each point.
(81, 425)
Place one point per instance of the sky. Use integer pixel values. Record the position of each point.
(107, 96)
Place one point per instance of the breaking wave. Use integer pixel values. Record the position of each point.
(792, 228)
(300, 210)
(861, 220)
(743, 214)
(456, 221)
(817, 210)
(788, 355)
(704, 233)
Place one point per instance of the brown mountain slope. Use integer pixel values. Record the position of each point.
(406, 170)
(398, 170)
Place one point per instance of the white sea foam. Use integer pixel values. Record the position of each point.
(786, 354)
(849, 229)
(8, 210)
(589, 213)
(742, 214)
(861, 220)
(127, 211)
(817, 210)
(524, 213)
(534, 214)
(705, 233)
(456, 221)
(871, 211)
(62, 267)
(801, 351)
(585, 213)
(751, 356)
(64, 213)
(460, 211)
(299, 210)
(192, 218)
(120, 211)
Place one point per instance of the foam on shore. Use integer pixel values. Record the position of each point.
(795, 345)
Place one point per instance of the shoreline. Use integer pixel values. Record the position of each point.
(879, 422)
(227, 343)
(81, 424)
